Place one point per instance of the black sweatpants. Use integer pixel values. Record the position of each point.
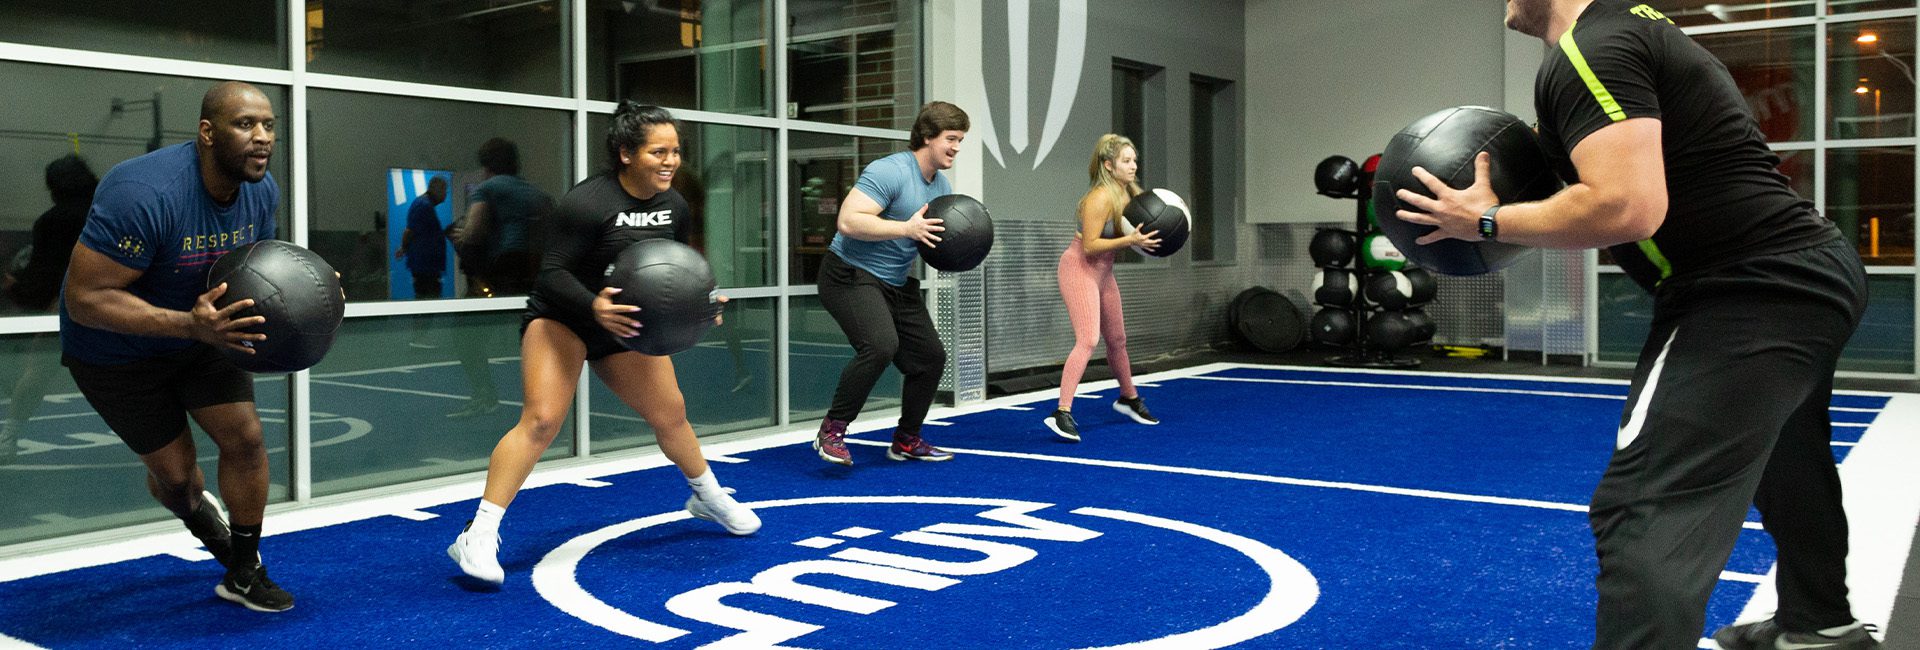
(1729, 407)
(885, 324)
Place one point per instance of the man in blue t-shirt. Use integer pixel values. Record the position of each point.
(864, 285)
(139, 334)
(424, 243)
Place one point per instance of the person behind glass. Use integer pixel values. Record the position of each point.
(495, 236)
(1754, 295)
(140, 333)
(423, 243)
(688, 184)
(865, 287)
(71, 183)
(1088, 287)
(571, 319)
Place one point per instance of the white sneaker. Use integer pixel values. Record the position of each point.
(736, 518)
(478, 556)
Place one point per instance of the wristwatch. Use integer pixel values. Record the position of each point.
(1489, 229)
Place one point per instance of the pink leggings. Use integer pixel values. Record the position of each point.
(1093, 304)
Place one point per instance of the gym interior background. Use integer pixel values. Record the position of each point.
(1232, 104)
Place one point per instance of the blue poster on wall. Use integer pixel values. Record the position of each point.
(417, 218)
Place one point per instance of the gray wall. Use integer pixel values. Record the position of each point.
(1340, 77)
(1172, 305)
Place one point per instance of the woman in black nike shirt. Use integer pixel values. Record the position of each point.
(571, 318)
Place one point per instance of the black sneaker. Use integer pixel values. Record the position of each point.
(249, 586)
(1763, 635)
(1135, 408)
(1061, 422)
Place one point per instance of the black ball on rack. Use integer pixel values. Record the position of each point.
(1425, 286)
(1338, 177)
(1396, 330)
(1332, 326)
(1332, 248)
(1334, 287)
(295, 290)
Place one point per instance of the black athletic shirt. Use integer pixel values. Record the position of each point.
(594, 222)
(1726, 199)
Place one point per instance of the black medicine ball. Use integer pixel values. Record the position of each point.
(968, 235)
(295, 290)
(1337, 176)
(1159, 210)
(674, 288)
(1445, 144)
(1332, 326)
(1332, 248)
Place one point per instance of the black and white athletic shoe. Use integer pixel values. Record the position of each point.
(1765, 635)
(1061, 422)
(249, 586)
(1135, 408)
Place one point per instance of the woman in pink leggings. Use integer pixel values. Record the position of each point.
(1087, 285)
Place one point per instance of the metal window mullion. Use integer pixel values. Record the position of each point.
(582, 399)
(783, 310)
(29, 324)
(148, 64)
(300, 403)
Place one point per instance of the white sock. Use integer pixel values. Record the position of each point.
(1842, 630)
(486, 519)
(706, 485)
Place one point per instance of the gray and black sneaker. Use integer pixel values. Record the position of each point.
(1135, 408)
(1061, 422)
(1765, 635)
(249, 586)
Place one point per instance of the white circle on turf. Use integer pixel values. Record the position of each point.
(1291, 588)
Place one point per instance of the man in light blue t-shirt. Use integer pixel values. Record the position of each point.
(864, 285)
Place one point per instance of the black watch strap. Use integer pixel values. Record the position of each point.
(1489, 229)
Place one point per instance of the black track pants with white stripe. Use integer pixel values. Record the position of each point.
(1729, 407)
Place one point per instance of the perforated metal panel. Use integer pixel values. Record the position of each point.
(960, 311)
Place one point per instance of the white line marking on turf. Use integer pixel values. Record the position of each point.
(1263, 478)
(1742, 577)
(1853, 425)
(587, 482)
(1458, 389)
(1016, 408)
(10, 643)
(725, 459)
(937, 423)
(1843, 443)
(1753, 525)
(416, 515)
(191, 554)
(1852, 409)
(820, 542)
(1882, 507)
(1709, 644)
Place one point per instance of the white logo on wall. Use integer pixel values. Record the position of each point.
(641, 219)
(1070, 54)
(1021, 531)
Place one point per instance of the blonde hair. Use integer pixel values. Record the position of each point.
(1106, 151)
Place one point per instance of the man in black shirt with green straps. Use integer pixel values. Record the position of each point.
(1755, 294)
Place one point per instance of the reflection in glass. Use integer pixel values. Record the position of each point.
(509, 46)
(1870, 79)
(820, 352)
(359, 140)
(81, 476)
(105, 118)
(1688, 13)
(703, 54)
(1870, 196)
(854, 63)
(240, 32)
(395, 401)
(825, 167)
(727, 381)
(1774, 70)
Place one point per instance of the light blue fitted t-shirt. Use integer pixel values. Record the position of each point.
(896, 184)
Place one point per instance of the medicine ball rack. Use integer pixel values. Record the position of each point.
(1353, 308)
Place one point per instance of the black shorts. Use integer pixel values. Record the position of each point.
(146, 402)
(600, 343)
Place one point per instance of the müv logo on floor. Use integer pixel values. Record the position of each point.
(1003, 534)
